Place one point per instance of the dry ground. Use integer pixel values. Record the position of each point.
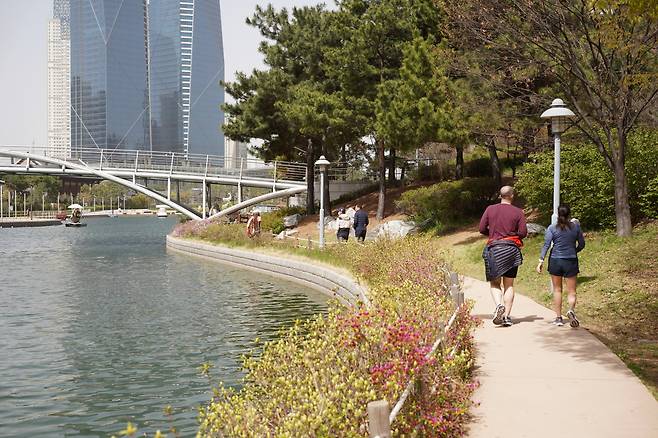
(308, 227)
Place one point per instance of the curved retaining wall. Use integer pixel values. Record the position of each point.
(327, 281)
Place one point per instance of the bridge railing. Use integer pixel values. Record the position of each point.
(173, 162)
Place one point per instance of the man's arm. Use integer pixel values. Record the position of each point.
(523, 227)
(484, 223)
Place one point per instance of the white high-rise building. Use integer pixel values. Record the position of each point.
(59, 83)
(236, 153)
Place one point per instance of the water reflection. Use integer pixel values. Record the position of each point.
(99, 326)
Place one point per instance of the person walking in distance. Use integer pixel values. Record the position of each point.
(567, 241)
(344, 226)
(360, 223)
(505, 226)
(253, 225)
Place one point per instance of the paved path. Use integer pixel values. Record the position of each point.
(538, 380)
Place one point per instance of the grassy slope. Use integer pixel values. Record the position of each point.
(617, 289)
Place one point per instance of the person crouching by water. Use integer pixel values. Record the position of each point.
(253, 225)
(567, 240)
(505, 225)
(360, 223)
(344, 225)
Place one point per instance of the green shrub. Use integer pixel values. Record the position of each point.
(587, 184)
(436, 171)
(318, 378)
(273, 222)
(448, 204)
(649, 200)
(478, 168)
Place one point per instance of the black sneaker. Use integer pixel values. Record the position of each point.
(498, 314)
(507, 322)
(558, 321)
(573, 321)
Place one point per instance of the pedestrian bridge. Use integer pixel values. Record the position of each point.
(130, 168)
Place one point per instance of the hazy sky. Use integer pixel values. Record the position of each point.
(24, 53)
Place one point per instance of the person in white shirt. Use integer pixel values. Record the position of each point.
(344, 225)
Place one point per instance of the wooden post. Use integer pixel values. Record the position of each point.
(378, 425)
(309, 244)
(454, 288)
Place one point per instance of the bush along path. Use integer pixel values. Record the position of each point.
(319, 376)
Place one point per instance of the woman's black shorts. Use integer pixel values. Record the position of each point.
(343, 234)
(563, 267)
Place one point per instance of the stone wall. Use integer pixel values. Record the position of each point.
(323, 279)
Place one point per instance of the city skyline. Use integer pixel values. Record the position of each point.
(59, 81)
(109, 75)
(23, 112)
(186, 65)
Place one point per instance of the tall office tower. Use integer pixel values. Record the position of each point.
(59, 82)
(186, 67)
(109, 75)
(236, 154)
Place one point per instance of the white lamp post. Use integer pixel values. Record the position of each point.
(559, 116)
(322, 164)
(2, 213)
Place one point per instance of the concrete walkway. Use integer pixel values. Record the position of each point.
(538, 380)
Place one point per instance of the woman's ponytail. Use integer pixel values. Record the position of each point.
(564, 217)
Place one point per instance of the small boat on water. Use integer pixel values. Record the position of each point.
(162, 210)
(75, 220)
(68, 223)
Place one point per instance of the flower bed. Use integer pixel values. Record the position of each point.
(318, 377)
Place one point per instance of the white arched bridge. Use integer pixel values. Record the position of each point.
(128, 168)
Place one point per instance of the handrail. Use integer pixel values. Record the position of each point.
(166, 162)
(380, 416)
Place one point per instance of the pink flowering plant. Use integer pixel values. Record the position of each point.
(319, 376)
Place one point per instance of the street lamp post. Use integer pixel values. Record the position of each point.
(2, 213)
(322, 164)
(559, 116)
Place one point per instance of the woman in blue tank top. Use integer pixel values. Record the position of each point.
(567, 240)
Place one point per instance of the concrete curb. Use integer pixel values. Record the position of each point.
(20, 223)
(324, 280)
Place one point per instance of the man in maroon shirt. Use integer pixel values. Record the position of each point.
(505, 226)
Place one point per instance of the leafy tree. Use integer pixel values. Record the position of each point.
(37, 188)
(291, 106)
(588, 184)
(368, 64)
(600, 55)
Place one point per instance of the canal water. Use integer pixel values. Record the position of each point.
(101, 325)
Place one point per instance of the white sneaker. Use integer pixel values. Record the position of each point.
(498, 314)
(573, 321)
(558, 321)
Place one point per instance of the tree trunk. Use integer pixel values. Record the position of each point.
(310, 178)
(392, 180)
(495, 162)
(382, 181)
(459, 163)
(622, 205)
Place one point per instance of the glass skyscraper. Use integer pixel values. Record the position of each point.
(186, 66)
(109, 74)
